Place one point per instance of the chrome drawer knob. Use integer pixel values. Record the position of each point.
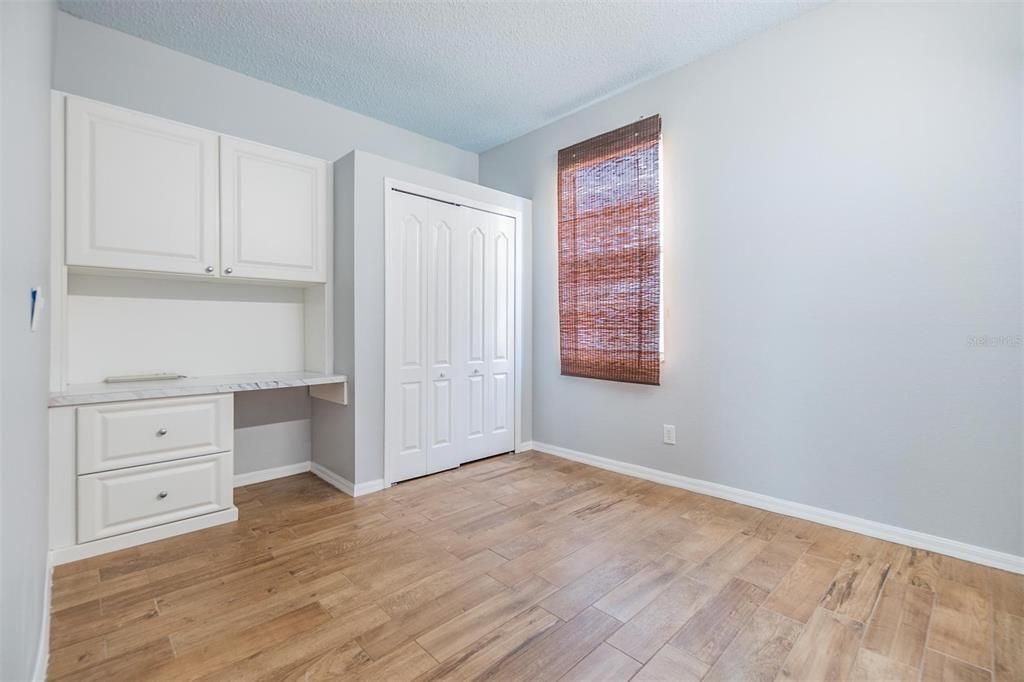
(209, 268)
(161, 495)
(228, 271)
(161, 432)
(476, 371)
(442, 375)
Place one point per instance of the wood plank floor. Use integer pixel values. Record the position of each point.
(528, 567)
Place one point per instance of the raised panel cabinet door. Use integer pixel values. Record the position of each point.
(273, 213)
(141, 191)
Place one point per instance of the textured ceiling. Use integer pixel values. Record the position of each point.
(474, 73)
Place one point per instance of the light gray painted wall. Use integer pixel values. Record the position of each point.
(334, 425)
(841, 215)
(361, 309)
(104, 64)
(26, 50)
(272, 428)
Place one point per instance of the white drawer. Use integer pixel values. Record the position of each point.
(117, 435)
(115, 502)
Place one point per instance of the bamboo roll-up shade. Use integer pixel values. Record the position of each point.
(609, 279)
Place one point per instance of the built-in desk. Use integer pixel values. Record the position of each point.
(86, 394)
(135, 462)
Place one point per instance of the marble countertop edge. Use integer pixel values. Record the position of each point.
(85, 394)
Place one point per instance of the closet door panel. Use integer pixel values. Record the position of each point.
(141, 191)
(274, 212)
(477, 337)
(443, 448)
(407, 420)
(501, 436)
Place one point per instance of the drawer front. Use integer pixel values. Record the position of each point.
(116, 502)
(118, 435)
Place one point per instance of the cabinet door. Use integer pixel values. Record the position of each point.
(141, 191)
(273, 212)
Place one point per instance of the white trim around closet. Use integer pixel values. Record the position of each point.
(429, 192)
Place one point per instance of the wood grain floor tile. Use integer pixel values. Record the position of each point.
(656, 623)
(872, 667)
(1009, 644)
(758, 650)
(527, 567)
(856, 588)
(557, 651)
(603, 664)
(672, 665)
(899, 627)
(626, 600)
(469, 626)
(713, 627)
(941, 668)
(961, 625)
(802, 588)
(489, 651)
(825, 650)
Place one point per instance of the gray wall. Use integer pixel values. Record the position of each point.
(334, 426)
(359, 304)
(26, 48)
(104, 64)
(841, 215)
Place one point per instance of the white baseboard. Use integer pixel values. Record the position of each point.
(882, 531)
(344, 485)
(367, 487)
(43, 650)
(270, 474)
(526, 445)
(63, 555)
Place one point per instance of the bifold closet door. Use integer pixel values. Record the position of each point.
(490, 334)
(450, 335)
(422, 346)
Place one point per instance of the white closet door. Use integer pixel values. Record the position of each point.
(445, 345)
(490, 311)
(141, 191)
(405, 342)
(501, 370)
(450, 335)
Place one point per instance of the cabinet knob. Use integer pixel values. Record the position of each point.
(442, 375)
(161, 432)
(161, 495)
(209, 268)
(228, 271)
(476, 371)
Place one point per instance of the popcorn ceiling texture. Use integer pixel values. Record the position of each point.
(473, 74)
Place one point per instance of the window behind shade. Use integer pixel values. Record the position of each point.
(609, 279)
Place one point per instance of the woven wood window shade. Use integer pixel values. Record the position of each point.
(609, 277)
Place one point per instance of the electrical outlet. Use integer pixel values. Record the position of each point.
(670, 434)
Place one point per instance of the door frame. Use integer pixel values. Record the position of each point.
(428, 193)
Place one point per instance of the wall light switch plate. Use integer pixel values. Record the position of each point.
(670, 434)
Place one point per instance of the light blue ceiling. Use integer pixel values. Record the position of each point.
(474, 74)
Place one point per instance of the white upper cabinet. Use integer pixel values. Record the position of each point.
(273, 213)
(141, 191)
